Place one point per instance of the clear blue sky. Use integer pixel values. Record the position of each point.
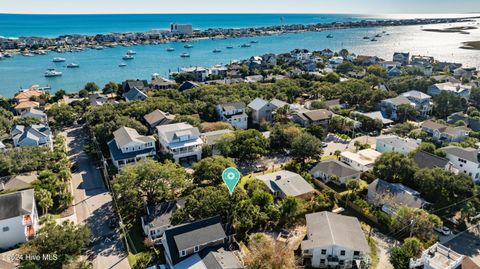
(238, 6)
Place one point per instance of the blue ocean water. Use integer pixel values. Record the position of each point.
(15, 25)
(101, 66)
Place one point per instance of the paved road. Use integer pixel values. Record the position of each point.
(92, 206)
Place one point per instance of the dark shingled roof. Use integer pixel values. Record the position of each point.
(16, 204)
(117, 154)
(188, 235)
(427, 160)
(335, 167)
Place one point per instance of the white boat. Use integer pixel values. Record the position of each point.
(217, 50)
(99, 47)
(170, 49)
(131, 52)
(28, 54)
(188, 46)
(51, 72)
(122, 65)
(42, 52)
(73, 65)
(7, 55)
(128, 57)
(58, 59)
(184, 55)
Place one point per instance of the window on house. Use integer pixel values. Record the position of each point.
(324, 251)
(342, 252)
(6, 229)
(356, 253)
(196, 249)
(341, 262)
(183, 253)
(322, 261)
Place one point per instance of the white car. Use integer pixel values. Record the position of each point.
(444, 230)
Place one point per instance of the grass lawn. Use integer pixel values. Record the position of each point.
(136, 238)
(327, 157)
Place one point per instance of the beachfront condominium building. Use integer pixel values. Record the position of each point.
(233, 113)
(334, 241)
(182, 141)
(128, 146)
(183, 29)
(18, 218)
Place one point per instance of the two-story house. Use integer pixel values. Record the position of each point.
(156, 118)
(423, 102)
(134, 94)
(261, 110)
(334, 241)
(401, 57)
(438, 256)
(394, 143)
(233, 113)
(128, 146)
(198, 73)
(456, 89)
(362, 160)
(37, 135)
(18, 218)
(428, 160)
(188, 239)
(445, 133)
(390, 106)
(307, 117)
(182, 141)
(157, 217)
(466, 160)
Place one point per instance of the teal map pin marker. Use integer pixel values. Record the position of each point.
(231, 177)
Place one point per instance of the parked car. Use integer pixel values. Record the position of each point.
(259, 168)
(443, 230)
(324, 145)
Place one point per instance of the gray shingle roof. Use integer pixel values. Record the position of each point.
(398, 142)
(16, 204)
(232, 106)
(289, 183)
(397, 192)
(126, 135)
(221, 259)
(334, 167)
(257, 103)
(469, 154)
(326, 229)
(399, 100)
(416, 94)
(318, 114)
(157, 116)
(159, 215)
(188, 235)
(427, 160)
(169, 131)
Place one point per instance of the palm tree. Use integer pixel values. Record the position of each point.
(44, 199)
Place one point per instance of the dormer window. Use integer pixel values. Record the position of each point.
(196, 249)
(183, 253)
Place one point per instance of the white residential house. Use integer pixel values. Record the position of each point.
(128, 146)
(335, 61)
(464, 73)
(300, 54)
(182, 141)
(38, 135)
(438, 256)
(157, 217)
(423, 102)
(233, 113)
(465, 160)
(35, 113)
(334, 241)
(18, 218)
(363, 160)
(333, 169)
(199, 73)
(456, 89)
(395, 143)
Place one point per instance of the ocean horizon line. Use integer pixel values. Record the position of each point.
(239, 13)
